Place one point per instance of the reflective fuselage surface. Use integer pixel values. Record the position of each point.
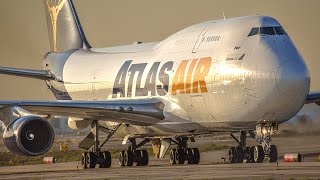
(221, 75)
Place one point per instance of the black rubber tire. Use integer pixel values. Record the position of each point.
(196, 155)
(101, 160)
(128, 158)
(173, 157)
(145, 157)
(121, 158)
(273, 155)
(107, 159)
(84, 161)
(239, 154)
(180, 156)
(138, 158)
(249, 154)
(91, 160)
(189, 156)
(258, 154)
(232, 155)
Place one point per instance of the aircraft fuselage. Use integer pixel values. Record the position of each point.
(214, 76)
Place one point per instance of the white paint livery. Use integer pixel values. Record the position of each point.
(270, 83)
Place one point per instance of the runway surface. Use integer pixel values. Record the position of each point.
(310, 170)
(210, 166)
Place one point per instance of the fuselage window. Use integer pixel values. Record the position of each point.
(212, 38)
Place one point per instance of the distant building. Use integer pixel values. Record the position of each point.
(60, 126)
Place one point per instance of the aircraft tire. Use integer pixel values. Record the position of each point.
(249, 154)
(232, 155)
(173, 156)
(84, 161)
(196, 155)
(239, 154)
(190, 156)
(273, 155)
(180, 156)
(138, 158)
(145, 157)
(91, 160)
(101, 160)
(121, 158)
(106, 161)
(258, 154)
(128, 158)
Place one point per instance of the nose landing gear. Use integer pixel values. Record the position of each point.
(263, 137)
(255, 154)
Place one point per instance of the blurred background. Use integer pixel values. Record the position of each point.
(24, 39)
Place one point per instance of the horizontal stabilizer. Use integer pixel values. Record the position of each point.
(36, 74)
(313, 98)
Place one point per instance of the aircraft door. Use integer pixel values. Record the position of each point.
(201, 38)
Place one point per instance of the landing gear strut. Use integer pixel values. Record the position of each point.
(133, 155)
(95, 156)
(184, 154)
(255, 154)
(263, 137)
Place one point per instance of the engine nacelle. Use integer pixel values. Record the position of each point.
(29, 136)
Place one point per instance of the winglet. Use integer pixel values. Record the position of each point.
(313, 98)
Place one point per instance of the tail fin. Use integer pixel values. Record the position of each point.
(65, 31)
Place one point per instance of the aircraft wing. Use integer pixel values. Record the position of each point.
(313, 98)
(36, 74)
(142, 112)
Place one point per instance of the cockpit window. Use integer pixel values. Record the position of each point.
(267, 31)
(270, 31)
(254, 31)
(280, 30)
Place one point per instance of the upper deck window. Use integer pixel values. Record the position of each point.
(270, 31)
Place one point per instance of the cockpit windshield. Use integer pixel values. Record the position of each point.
(271, 31)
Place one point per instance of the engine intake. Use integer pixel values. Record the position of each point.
(29, 136)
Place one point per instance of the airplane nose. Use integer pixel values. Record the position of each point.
(292, 76)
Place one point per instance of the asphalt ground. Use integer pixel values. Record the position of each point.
(159, 170)
(210, 166)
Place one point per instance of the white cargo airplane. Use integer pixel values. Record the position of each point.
(235, 75)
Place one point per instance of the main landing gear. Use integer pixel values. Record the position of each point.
(95, 156)
(255, 154)
(133, 155)
(183, 154)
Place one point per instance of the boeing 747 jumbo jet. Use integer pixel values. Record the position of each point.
(234, 75)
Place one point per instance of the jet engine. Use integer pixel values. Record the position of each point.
(29, 136)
